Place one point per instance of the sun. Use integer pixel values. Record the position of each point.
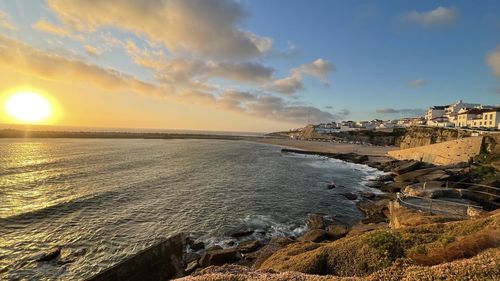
(28, 107)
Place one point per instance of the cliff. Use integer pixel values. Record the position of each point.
(459, 250)
(420, 136)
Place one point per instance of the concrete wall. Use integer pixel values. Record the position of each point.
(444, 153)
(163, 261)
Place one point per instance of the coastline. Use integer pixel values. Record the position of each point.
(375, 153)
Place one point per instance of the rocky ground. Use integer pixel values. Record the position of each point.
(408, 249)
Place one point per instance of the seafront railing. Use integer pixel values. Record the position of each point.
(444, 207)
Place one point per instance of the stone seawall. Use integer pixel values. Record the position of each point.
(444, 153)
(163, 261)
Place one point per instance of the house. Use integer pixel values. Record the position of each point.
(435, 111)
(440, 122)
(450, 111)
(479, 118)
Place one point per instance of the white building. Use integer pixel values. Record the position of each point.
(479, 118)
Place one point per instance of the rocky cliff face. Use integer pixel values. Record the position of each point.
(420, 136)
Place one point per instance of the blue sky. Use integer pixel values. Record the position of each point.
(331, 59)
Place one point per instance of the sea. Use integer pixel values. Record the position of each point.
(103, 200)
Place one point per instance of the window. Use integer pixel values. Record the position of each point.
(491, 122)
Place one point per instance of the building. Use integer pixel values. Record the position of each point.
(479, 118)
(440, 122)
(449, 111)
(435, 111)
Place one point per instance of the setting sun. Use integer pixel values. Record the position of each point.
(28, 107)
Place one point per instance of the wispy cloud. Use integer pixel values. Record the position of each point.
(417, 83)
(49, 27)
(404, 111)
(319, 68)
(493, 60)
(5, 21)
(440, 16)
(92, 50)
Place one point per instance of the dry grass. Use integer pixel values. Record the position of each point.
(465, 247)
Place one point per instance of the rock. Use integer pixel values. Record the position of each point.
(350, 195)
(315, 221)
(371, 208)
(331, 185)
(384, 178)
(220, 257)
(231, 243)
(474, 212)
(336, 231)
(191, 267)
(376, 218)
(375, 184)
(423, 175)
(393, 187)
(69, 256)
(248, 246)
(368, 195)
(242, 233)
(196, 246)
(268, 250)
(49, 254)
(191, 256)
(406, 167)
(359, 159)
(361, 228)
(315, 235)
(214, 248)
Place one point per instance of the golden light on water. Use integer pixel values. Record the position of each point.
(29, 107)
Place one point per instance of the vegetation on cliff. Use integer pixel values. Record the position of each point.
(457, 250)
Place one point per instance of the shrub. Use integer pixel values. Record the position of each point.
(465, 247)
(387, 244)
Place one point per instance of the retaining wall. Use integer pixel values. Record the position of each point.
(445, 153)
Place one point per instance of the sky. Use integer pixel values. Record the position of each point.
(248, 65)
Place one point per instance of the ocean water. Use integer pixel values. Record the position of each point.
(103, 200)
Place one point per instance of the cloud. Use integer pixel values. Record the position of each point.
(18, 57)
(404, 111)
(417, 83)
(5, 22)
(22, 58)
(93, 51)
(48, 27)
(319, 68)
(207, 28)
(493, 59)
(288, 85)
(441, 16)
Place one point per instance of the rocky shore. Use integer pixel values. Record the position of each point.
(253, 260)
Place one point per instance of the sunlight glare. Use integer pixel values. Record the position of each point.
(28, 107)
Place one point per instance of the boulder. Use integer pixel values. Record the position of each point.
(368, 195)
(220, 257)
(191, 256)
(336, 231)
(315, 235)
(350, 195)
(214, 248)
(361, 228)
(242, 233)
(191, 267)
(375, 184)
(315, 221)
(423, 175)
(48, 255)
(393, 187)
(268, 250)
(248, 246)
(196, 246)
(331, 185)
(386, 177)
(371, 208)
(406, 167)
